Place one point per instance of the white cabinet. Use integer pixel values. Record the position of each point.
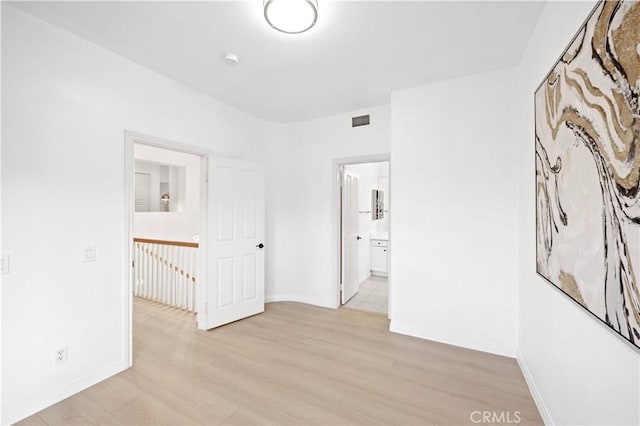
(379, 257)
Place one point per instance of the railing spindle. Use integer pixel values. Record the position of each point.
(182, 279)
(165, 271)
(154, 273)
(163, 264)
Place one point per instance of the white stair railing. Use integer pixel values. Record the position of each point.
(165, 272)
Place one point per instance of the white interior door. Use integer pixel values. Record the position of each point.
(349, 237)
(236, 235)
(142, 192)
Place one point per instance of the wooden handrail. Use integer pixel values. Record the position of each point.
(166, 243)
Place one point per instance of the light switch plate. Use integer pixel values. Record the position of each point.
(89, 254)
(4, 264)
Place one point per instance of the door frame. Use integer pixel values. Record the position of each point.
(336, 227)
(130, 139)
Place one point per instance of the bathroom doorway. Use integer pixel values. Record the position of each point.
(363, 235)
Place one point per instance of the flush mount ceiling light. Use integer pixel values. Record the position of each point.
(291, 16)
(231, 59)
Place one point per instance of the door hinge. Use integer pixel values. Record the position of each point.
(133, 263)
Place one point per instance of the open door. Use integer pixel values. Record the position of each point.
(349, 237)
(235, 287)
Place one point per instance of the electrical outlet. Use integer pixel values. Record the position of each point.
(60, 355)
(89, 254)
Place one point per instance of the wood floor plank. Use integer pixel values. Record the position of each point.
(34, 420)
(113, 393)
(295, 364)
(77, 410)
(147, 410)
(203, 405)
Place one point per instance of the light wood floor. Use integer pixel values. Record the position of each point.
(294, 365)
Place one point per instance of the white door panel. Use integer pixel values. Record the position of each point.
(349, 237)
(236, 262)
(142, 192)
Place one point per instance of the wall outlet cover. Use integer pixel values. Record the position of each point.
(60, 355)
(89, 254)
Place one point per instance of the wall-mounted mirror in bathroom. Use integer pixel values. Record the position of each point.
(158, 187)
(377, 204)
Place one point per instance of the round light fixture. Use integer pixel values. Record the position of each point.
(291, 16)
(231, 58)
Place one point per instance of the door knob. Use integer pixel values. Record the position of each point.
(359, 237)
(260, 245)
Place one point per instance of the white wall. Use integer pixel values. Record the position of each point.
(299, 200)
(580, 372)
(181, 225)
(453, 253)
(65, 106)
(368, 175)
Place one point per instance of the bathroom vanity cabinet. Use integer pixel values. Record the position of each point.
(379, 257)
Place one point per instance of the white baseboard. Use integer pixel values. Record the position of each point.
(535, 393)
(296, 298)
(465, 342)
(15, 414)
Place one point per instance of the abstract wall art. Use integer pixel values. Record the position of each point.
(587, 162)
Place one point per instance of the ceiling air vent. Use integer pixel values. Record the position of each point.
(363, 120)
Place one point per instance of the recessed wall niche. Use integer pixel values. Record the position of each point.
(159, 187)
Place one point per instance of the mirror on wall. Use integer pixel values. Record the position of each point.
(158, 187)
(377, 204)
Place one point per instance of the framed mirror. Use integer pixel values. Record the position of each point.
(377, 204)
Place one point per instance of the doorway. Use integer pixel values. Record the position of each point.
(166, 213)
(363, 234)
(229, 273)
(166, 227)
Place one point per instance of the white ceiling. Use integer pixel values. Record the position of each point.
(355, 56)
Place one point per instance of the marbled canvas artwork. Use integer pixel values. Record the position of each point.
(587, 168)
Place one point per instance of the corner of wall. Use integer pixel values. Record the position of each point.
(535, 392)
(12, 415)
(483, 345)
